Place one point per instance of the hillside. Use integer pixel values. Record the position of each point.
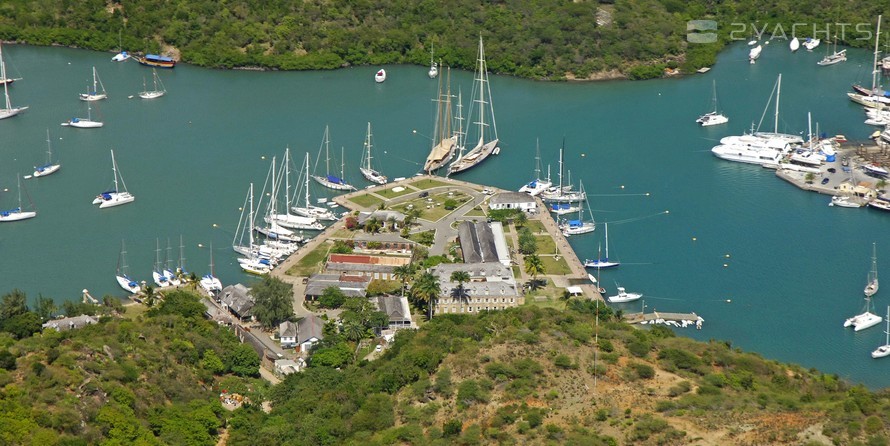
(542, 39)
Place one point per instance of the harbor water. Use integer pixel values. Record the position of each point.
(770, 268)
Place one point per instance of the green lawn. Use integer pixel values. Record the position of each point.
(545, 244)
(429, 184)
(510, 242)
(535, 226)
(388, 193)
(555, 267)
(476, 212)
(436, 210)
(343, 233)
(517, 273)
(366, 200)
(311, 262)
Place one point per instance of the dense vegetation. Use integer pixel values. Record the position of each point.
(152, 380)
(546, 39)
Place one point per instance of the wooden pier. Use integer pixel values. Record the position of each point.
(681, 320)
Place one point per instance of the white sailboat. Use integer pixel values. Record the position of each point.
(116, 196)
(18, 213)
(624, 296)
(810, 44)
(169, 271)
(367, 171)
(181, 272)
(328, 180)
(209, 282)
(884, 350)
(483, 148)
(865, 320)
(50, 167)
(121, 54)
(94, 94)
(288, 220)
(601, 263)
(82, 123)
(157, 91)
(257, 261)
(123, 279)
(9, 111)
(714, 117)
(434, 69)
(537, 186)
(833, 58)
(157, 274)
(579, 226)
(444, 140)
(308, 209)
(871, 97)
(272, 229)
(794, 45)
(562, 193)
(872, 286)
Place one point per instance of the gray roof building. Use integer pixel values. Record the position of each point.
(381, 215)
(351, 286)
(397, 309)
(512, 198)
(477, 242)
(486, 279)
(238, 299)
(308, 328)
(70, 323)
(287, 329)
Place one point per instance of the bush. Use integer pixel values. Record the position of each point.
(563, 361)
(452, 428)
(645, 371)
(639, 348)
(450, 204)
(331, 297)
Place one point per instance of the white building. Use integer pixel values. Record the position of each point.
(513, 200)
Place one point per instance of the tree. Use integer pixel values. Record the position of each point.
(340, 247)
(403, 273)
(426, 289)
(533, 267)
(331, 297)
(372, 225)
(527, 242)
(461, 277)
(521, 219)
(353, 329)
(46, 307)
(334, 356)
(179, 302)
(22, 325)
(243, 361)
(12, 304)
(274, 301)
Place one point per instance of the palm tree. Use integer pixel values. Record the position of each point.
(403, 273)
(521, 219)
(372, 225)
(353, 329)
(426, 289)
(461, 277)
(533, 267)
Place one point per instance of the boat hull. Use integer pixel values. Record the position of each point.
(47, 170)
(16, 215)
(83, 124)
(151, 60)
(127, 284)
(473, 159)
(331, 185)
(373, 176)
(93, 97)
(10, 112)
(600, 264)
(624, 297)
(151, 94)
(117, 199)
(881, 352)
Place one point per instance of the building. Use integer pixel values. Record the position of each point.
(284, 367)
(397, 309)
(287, 334)
(383, 216)
(513, 200)
(477, 242)
(351, 286)
(491, 287)
(215, 313)
(389, 243)
(310, 330)
(500, 243)
(238, 300)
(70, 323)
(375, 267)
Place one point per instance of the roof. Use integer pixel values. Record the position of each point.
(214, 312)
(381, 237)
(238, 298)
(486, 279)
(287, 329)
(70, 323)
(511, 197)
(573, 290)
(477, 242)
(500, 242)
(309, 327)
(382, 215)
(359, 267)
(351, 286)
(368, 259)
(395, 307)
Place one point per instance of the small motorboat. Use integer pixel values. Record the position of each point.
(380, 76)
(794, 45)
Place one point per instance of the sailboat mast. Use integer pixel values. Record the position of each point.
(95, 90)
(874, 71)
(286, 167)
(715, 96)
(114, 169)
(368, 145)
(6, 84)
(607, 241)
(561, 149)
(211, 258)
(307, 181)
(537, 158)
(250, 216)
(19, 178)
(49, 149)
(778, 95)
(274, 197)
(342, 164)
(480, 79)
(460, 124)
(181, 254)
(327, 152)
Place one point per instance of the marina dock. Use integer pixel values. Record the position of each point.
(681, 320)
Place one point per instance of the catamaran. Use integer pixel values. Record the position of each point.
(444, 140)
(114, 197)
(82, 123)
(369, 173)
(123, 279)
(157, 92)
(872, 286)
(49, 167)
(579, 226)
(309, 210)
(9, 111)
(210, 282)
(94, 94)
(288, 220)
(328, 180)
(17, 213)
(884, 350)
(537, 186)
(865, 320)
(601, 263)
(483, 149)
(714, 117)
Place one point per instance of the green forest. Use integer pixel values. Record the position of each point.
(540, 39)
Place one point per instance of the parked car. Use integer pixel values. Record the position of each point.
(824, 180)
(379, 348)
(424, 194)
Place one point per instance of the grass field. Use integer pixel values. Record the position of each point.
(366, 200)
(545, 244)
(311, 262)
(429, 184)
(343, 233)
(555, 267)
(436, 210)
(535, 226)
(388, 193)
(476, 212)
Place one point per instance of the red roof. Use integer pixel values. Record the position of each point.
(352, 258)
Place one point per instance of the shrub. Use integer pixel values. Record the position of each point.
(680, 358)
(679, 389)
(639, 348)
(452, 428)
(645, 371)
(331, 297)
(562, 361)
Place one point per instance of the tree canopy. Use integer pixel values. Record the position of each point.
(274, 301)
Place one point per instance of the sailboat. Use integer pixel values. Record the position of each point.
(328, 180)
(434, 69)
(156, 93)
(865, 320)
(256, 262)
(872, 287)
(884, 350)
(561, 193)
(210, 282)
(114, 197)
(82, 123)
(483, 149)
(121, 55)
(714, 117)
(308, 210)
(94, 94)
(287, 219)
(579, 226)
(444, 140)
(123, 279)
(754, 54)
(795, 44)
(168, 269)
(17, 213)
(181, 272)
(157, 274)
(601, 263)
(369, 173)
(273, 230)
(9, 111)
(624, 296)
(49, 167)
(875, 91)
(833, 58)
(537, 186)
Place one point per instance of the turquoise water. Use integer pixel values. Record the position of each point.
(796, 267)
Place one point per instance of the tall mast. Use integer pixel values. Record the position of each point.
(874, 71)
(607, 241)
(537, 159)
(368, 145)
(211, 258)
(307, 180)
(49, 149)
(181, 254)
(6, 83)
(250, 216)
(460, 123)
(561, 149)
(327, 152)
(19, 178)
(94, 81)
(481, 80)
(286, 167)
(778, 95)
(114, 169)
(274, 197)
(342, 164)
